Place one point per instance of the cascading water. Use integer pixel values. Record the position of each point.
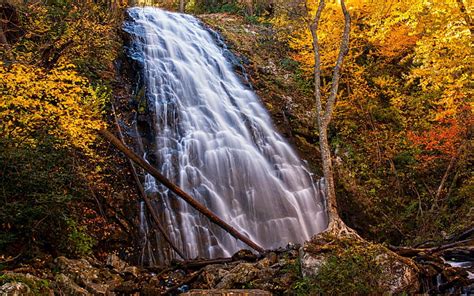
(212, 137)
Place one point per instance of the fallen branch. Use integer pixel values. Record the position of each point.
(411, 252)
(143, 195)
(11, 259)
(463, 235)
(191, 264)
(178, 191)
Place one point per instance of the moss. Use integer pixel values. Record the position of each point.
(37, 286)
(351, 264)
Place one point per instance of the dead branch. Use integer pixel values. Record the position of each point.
(191, 264)
(144, 196)
(178, 191)
(412, 252)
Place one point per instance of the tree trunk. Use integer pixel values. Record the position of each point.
(466, 16)
(3, 38)
(324, 115)
(178, 191)
(182, 5)
(250, 9)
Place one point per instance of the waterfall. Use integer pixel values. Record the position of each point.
(210, 134)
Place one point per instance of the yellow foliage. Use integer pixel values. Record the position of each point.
(37, 104)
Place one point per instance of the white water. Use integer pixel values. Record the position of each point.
(215, 140)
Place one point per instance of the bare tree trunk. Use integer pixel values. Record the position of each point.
(466, 16)
(178, 191)
(182, 5)
(3, 38)
(443, 181)
(324, 114)
(250, 6)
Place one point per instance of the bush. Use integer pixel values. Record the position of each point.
(78, 242)
(38, 183)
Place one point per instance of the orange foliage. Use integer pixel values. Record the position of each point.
(441, 141)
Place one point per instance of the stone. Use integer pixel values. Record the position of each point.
(246, 255)
(24, 284)
(212, 275)
(131, 270)
(310, 263)
(15, 289)
(234, 292)
(67, 286)
(268, 261)
(127, 288)
(241, 274)
(115, 262)
(398, 274)
(95, 280)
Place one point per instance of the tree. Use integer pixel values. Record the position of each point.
(37, 104)
(401, 127)
(324, 114)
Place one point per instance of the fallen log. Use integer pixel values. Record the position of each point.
(411, 252)
(144, 196)
(432, 262)
(462, 236)
(178, 191)
(192, 264)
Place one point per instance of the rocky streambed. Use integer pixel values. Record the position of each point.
(323, 264)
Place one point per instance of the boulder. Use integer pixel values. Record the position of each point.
(241, 274)
(393, 273)
(398, 274)
(14, 283)
(66, 286)
(97, 281)
(116, 263)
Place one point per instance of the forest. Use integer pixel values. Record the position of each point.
(373, 96)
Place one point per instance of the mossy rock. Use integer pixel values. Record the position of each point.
(23, 284)
(357, 266)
